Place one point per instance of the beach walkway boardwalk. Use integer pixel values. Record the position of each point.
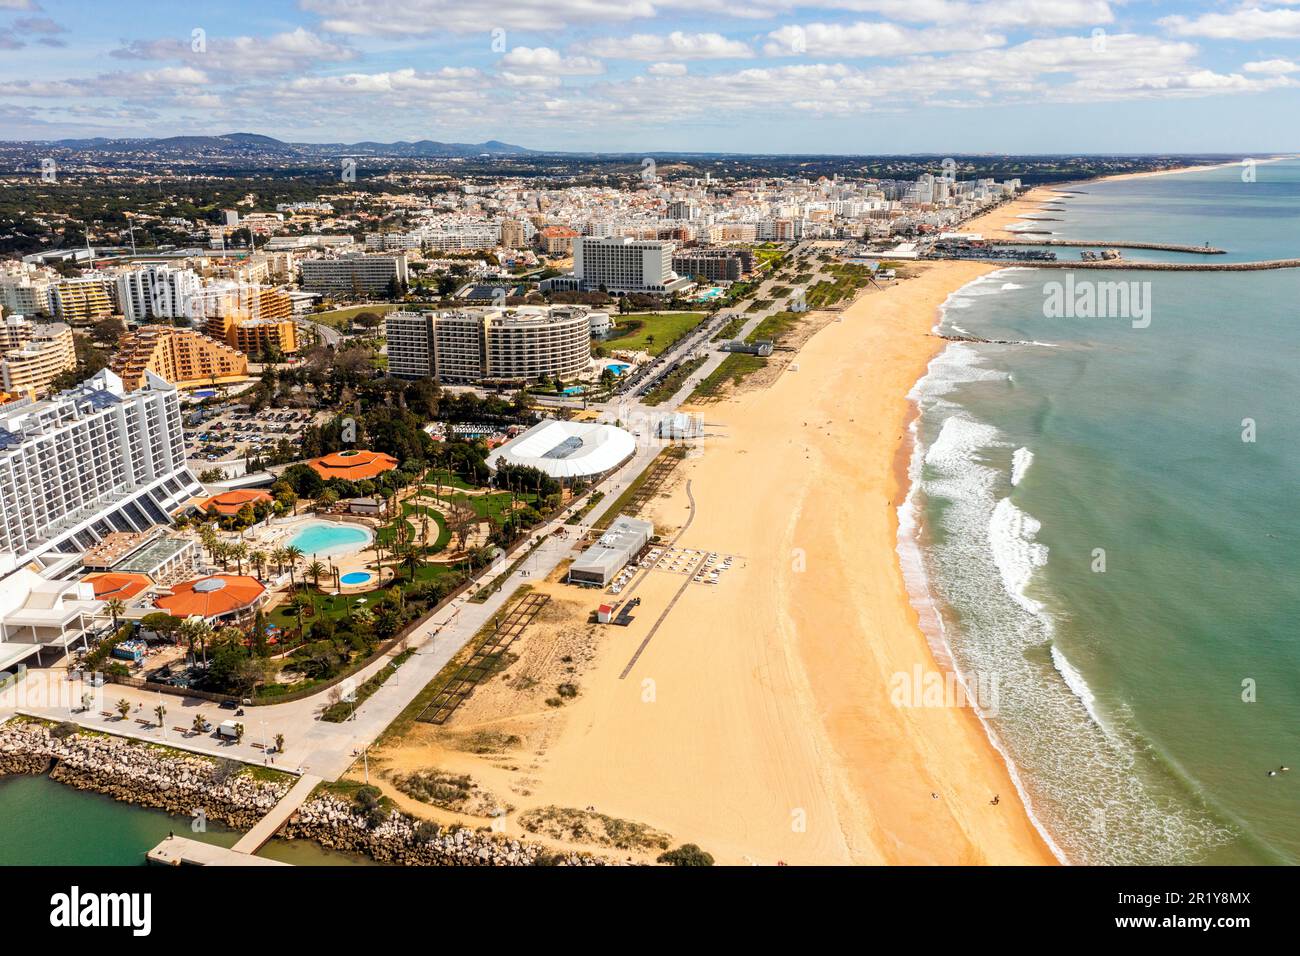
(269, 825)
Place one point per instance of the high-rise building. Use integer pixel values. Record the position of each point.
(620, 264)
(157, 292)
(87, 462)
(512, 234)
(25, 289)
(81, 302)
(34, 355)
(510, 346)
(254, 336)
(715, 265)
(354, 274)
(178, 356)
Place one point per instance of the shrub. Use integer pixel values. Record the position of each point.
(688, 854)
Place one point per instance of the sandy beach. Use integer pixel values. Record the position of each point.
(758, 720)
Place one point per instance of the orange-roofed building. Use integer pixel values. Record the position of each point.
(118, 585)
(218, 599)
(353, 465)
(229, 503)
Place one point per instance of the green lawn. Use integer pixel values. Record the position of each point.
(495, 506)
(341, 319)
(735, 368)
(651, 332)
(449, 479)
(774, 327)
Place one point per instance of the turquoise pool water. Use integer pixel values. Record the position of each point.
(356, 577)
(321, 537)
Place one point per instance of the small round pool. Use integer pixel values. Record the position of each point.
(329, 538)
(356, 577)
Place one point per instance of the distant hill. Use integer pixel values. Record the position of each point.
(245, 145)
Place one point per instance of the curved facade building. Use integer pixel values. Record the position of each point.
(513, 346)
(526, 347)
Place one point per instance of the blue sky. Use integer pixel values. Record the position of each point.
(841, 76)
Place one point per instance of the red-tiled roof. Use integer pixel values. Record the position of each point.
(353, 465)
(117, 585)
(229, 502)
(211, 596)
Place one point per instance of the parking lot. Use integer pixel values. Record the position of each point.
(232, 432)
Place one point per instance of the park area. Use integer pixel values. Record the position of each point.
(651, 332)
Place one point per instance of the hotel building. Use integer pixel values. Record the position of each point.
(353, 274)
(34, 355)
(87, 462)
(508, 346)
(81, 302)
(157, 292)
(621, 264)
(179, 356)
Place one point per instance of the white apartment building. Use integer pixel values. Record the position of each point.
(157, 292)
(25, 289)
(625, 265)
(89, 461)
(363, 274)
(469, 346)
(410, 344)
(34, 355)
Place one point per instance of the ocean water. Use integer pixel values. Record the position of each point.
(50, 824)
(1107, 530)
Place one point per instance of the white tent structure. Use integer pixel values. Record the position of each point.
(567, 449)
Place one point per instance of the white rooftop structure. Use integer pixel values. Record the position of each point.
(567, 449)
(36, 613)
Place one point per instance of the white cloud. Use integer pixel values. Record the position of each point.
(672, 46)
(853, 40)
(666, 69)
(282, 53)
(1272, 66)
(420, 17)
(547, 61)
(1023, 14)
(1248, 24)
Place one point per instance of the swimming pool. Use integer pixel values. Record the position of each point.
(324, 537)
(356, 577)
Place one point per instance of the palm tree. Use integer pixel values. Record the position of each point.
(279, 557)
(292, 555)
(239, 551)
(115, 608)
(411, 558)
(221, 552)
(259, 561)
(160, 712)
(195, 629)
(123, 708)
(316, 569)
(239, 733)
(299, 603)
(279, 743)
(200, 724)
(209, 538)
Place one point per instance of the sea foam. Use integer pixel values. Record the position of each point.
(1015, 552)
(1021, 459)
